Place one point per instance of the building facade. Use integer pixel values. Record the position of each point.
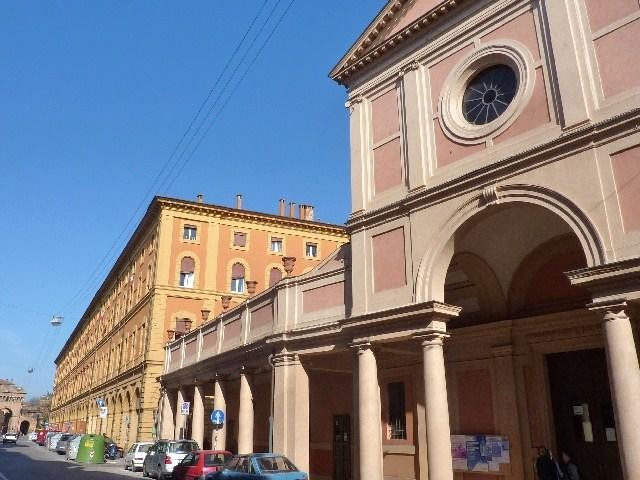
(185, 263)
(487, 302)
(11, 400)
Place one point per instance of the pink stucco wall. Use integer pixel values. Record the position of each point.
(387, 166)
(522, 29)
(475, 402)
(384, 116)
(262, 317)
(320, 298)
(602, 13)
(419, 8)
(626, 171)
(389, 260)
(617, 54)
(448, 152)
(534, 115)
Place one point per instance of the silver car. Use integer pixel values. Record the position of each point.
(164, 455)
(63, 443)
(52, 442)
(134, 458)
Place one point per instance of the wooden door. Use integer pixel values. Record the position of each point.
(341, 447)
(583, 412)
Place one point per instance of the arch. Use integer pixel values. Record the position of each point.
(188, 262)
(429, 284)
(273, 274)
(24, 427)
(238, 268)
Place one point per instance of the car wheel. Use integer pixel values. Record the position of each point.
(144, 471)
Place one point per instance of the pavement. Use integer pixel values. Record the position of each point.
(26, 460)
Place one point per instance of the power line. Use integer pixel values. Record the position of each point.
(99, 270)
(242, 77)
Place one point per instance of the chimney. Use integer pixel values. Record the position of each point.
(239, 201)
(199, 198)
(281, 207)
(292, 209)
(309, 215)
(301, 211)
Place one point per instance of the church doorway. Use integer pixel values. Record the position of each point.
(583, 412)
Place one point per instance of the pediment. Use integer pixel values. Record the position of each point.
(397, 21)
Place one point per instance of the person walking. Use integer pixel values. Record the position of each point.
(546, 468)
(568, 466)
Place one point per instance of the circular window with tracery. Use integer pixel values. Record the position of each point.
(488, 94)
(486, 91)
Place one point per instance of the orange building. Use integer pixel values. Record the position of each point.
(185, 263)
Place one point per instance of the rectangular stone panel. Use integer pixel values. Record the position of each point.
(262, 317)
(387, 166)
(475, 402)
(324, 297)
(626, 172)
(389, 260)
(605, 12)
(385, 116)
(617, 54)
(210, 340)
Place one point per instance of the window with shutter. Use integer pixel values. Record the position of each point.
(237, 278)
(187, 269)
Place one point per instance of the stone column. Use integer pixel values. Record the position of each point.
(245, 414)
(291, 409)
(197, 421)
(624, 378)
(180, 419)
(439, 461)
(437, 408)
(219, 436)
(168, 417)
(369, 417)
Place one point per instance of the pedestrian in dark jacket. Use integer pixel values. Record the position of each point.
(546, 468)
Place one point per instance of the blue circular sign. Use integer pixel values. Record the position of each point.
(217, 417)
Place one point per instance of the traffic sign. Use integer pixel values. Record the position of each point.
(184, 408)
(217, 417)
(103, 412)
(100, 402)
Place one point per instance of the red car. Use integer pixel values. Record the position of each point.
(198, 464)
(42, 436)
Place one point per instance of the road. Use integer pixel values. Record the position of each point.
(27, 461)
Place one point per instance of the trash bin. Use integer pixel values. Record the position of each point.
(91, 449)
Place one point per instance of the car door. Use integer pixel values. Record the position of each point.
(152, 459)
(194, 470)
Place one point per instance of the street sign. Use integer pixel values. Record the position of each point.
(184, 408)
(217, 417)
(103, 412)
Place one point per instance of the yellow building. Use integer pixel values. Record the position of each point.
(185, 263)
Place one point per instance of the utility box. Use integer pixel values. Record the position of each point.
(91, 449)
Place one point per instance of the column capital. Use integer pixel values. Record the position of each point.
(430, 338)
(359, 346)
(611, 309)
(284, 359)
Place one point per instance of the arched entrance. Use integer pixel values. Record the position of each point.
(526, 359)
(24, 427)
(5, 419)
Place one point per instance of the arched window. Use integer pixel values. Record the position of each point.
(237, 278)
(187, 267)
(275, 275)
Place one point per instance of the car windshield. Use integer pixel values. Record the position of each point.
(215, 459)
(143, 448)
(183, 447)
(276, 464)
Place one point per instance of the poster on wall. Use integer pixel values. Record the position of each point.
(459, 451)
(479, 453)
(477, 460)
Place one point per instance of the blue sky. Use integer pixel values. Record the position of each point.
(96, 96)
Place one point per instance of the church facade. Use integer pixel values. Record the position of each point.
(487, 302)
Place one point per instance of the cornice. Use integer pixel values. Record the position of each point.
(568, 143)
(360, 56)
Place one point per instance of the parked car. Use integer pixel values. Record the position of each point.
(10, 437)
(72, 449)
(32, 436)
(43, 435)
(135, 456)
(198, 464)
(255, 466)
(63, 443)
(164, 455)
(52, 440)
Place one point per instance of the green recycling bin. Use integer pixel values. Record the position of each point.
(91, 449)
